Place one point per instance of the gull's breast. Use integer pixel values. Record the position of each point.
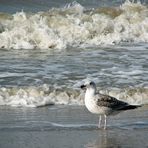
(93, 107)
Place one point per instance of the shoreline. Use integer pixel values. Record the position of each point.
(71, 126)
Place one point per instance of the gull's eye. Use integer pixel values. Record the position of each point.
(91, 83)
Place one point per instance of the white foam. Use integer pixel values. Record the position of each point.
(43, 96)
(72, 26)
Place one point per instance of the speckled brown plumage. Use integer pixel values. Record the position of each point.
(113, 103)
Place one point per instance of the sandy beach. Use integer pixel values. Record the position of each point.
(71, 127)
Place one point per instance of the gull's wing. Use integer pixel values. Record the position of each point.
(111, 102)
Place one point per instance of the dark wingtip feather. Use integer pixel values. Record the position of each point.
(128, 107)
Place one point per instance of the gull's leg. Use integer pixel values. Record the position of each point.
(105, 122)
(100, 119)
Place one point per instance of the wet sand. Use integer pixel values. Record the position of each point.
(71, 127)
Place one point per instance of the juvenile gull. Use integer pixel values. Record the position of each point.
(103, 104)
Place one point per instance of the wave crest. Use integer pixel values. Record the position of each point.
(43, 96)
(74, 26)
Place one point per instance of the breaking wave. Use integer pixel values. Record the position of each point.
(74, 26)
(44, 95)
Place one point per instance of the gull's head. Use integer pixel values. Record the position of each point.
(89, 85)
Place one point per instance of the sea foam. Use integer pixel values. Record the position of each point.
(44, 95)
(74, 26)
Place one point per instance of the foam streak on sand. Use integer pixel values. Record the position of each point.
(74, 26)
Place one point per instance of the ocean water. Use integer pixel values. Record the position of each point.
(48, 49)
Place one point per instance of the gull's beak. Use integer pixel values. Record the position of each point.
(83, 86)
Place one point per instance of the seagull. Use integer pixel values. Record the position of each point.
(103, 104)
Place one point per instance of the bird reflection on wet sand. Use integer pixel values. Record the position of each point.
(119, 138)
